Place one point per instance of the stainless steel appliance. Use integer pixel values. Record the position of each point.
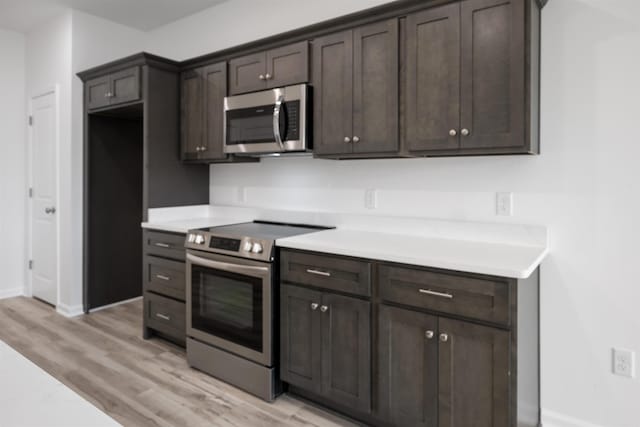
(273, 121)
(231, 294)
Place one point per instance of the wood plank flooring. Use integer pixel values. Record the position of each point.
(139, 383)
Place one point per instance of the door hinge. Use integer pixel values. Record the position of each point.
(30, 192)
(30, 120)
(30, 264)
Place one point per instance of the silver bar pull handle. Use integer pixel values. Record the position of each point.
(318, 272)
(163, 277)
(162, 245)
(276, 121)
(436, 294)
(163, 316)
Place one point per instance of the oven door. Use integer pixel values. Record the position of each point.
(229, 304)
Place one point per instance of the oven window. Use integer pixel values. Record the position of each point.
(250, 125)
(228, 306)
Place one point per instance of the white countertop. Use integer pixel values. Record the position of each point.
(184, 225)
(496, 259)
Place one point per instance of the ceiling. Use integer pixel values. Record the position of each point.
(145, 15)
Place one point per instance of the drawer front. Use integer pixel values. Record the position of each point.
(327, 272)
(477, 298)
(167, 245)
(165, 277)
(165, 315)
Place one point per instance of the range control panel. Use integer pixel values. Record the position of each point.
(245, 247)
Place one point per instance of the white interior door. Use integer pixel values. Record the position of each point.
(44, 254)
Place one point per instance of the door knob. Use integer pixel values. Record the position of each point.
(453, 132)
(356, 139)
(428, 334)
(314, 306)
(444, 337)
(347, 139)
(324, 308)
(261, 77)
(465, 132)
(50, 210)
(268, 76)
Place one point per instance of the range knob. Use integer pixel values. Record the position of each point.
(257, 248)
(199, 239)
(247, 246)
(191, 238)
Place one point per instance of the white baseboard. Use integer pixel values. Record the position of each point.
(555, 419)
(11, 292)
(70, 311)
(93, 310)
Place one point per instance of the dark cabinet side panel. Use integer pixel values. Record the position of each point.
(473, 375)
(333, 93)
(493, 74)
(300, 337)
(245, 72)
(433, 79)
(375, 83)
(215, 89)
(408, 368)
(346, 351)
(288, 65)
(192, 113)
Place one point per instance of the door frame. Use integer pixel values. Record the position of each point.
(55, 90)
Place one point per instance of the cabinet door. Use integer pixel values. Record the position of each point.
(375, 84)
(288, 65)
(97, 92)
(492, 93)
(192, 114)
(247, 74)
(473, 375)
(125, 86)
(300, 337)
(215, 89)
(346, 351)
(333, 93)
(408, 367)
(433, 79)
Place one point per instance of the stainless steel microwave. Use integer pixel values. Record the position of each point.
(273, 121)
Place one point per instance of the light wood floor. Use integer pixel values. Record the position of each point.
(139, 383)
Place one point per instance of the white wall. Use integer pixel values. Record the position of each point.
(12, 163)
(584, 186)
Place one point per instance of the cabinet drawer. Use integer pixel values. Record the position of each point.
(165, 315)
(165, 277)
(327, 272)
(478, 298)
(169, 245)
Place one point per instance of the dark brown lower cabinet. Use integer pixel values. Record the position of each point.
(325, 345)
(408, 367)
(435, 371)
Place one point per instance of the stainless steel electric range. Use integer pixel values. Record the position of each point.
(232, 295)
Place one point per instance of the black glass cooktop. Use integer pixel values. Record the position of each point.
(263, 230)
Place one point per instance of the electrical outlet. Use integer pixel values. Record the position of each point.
(370, 199)
(623, 362)
(504, 204)
(242, 195)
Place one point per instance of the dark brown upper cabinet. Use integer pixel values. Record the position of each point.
(116, 88)
(355, 79)
(326, 345)
(202, 114)
(278, 67)
(468, 89)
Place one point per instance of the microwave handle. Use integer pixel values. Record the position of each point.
(276, 121)
(225, 266)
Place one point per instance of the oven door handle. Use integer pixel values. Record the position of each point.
(225, 266)
(277, 110)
